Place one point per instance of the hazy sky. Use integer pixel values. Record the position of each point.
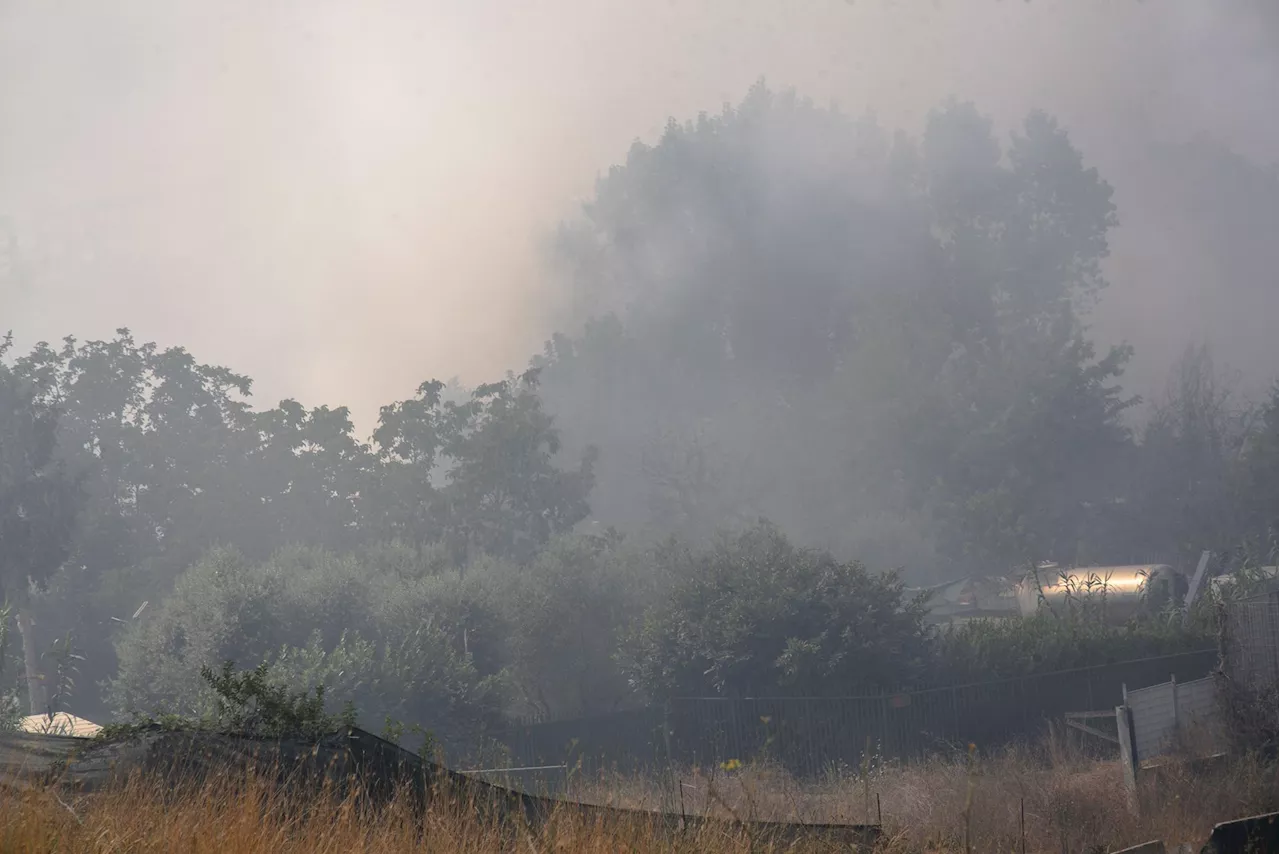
(342, 199)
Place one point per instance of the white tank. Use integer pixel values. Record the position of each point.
(1121, 591)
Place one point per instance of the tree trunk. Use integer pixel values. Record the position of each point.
(36, 698)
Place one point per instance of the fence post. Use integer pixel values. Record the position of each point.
(666, 748)
(1193, 589)
(1270, 618)
(955, 716)
(881, 708)
(1128, 756)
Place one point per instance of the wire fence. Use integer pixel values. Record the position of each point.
(1248, 631)
(813, 736)
(1251, 640)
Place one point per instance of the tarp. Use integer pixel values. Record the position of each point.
(381, 768)
(62, 723)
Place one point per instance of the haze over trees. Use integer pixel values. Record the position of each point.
(880, 344)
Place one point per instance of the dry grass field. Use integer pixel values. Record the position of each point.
(1071, 802)
(1065, 798)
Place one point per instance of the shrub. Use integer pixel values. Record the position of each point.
(754, 615)
(311, 617)
(980, 650)
(568, 610)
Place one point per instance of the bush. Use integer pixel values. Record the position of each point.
(755, 615)
(568, 610)
(387, 644)
(248, 703)
(981, 650)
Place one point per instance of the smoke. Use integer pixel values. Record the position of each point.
(343, 199)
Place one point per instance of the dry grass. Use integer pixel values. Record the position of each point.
(1073, 802)
(1068, 798)
(247, 815)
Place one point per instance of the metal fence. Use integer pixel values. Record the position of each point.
(1251, 640)
(1162, 713)
(811, 735)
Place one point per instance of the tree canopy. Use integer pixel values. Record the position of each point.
(800, 315)
(880, 343)
(39, 497)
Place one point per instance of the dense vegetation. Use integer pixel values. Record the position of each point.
(878, 343)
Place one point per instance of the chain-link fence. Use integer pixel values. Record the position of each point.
(1249, 636)
(814, 735)
(1251, 640)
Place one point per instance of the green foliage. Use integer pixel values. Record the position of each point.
(503, 494)
(178, 464)
(10, 704)
(249, 703)
(1256, 483)
(879, 342)
(65, 658)
(568, 610)
(390, 645)
(981, 650)
(754, 615)
(39, 497)
(1206, 471)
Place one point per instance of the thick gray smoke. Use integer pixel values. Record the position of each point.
(876, 341)
(342, 199)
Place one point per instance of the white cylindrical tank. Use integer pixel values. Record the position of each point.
(1120, 591)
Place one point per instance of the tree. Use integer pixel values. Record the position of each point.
(39, 503)
(177, 464)
(1184, 494)
(1257, 481)
(309, 473)
(1006, 425)
(862, 325)
(1019, 481)
(404, 503)
(503, 494)
(756, 616)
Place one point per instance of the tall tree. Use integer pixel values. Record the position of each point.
(503, 493)
(1184, 493)
(39, 502)
(864, 326)
(309, 473)
(179, 464)
(506, 494)
(1258, 481)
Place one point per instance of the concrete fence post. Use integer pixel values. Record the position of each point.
(1128, 755)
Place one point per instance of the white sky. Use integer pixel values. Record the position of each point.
(342, 199)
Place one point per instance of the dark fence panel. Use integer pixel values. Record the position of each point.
(814, 735)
